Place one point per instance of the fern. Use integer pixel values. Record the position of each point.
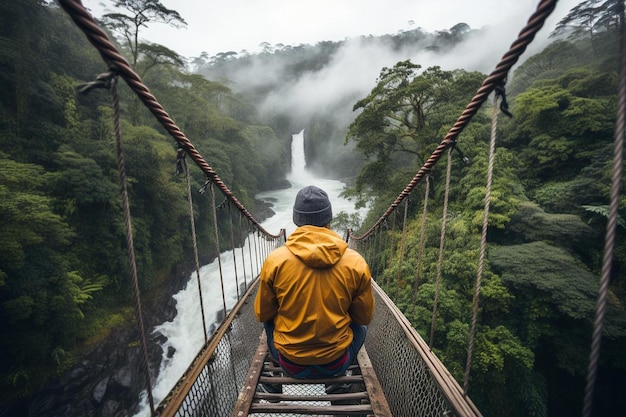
(604, 212)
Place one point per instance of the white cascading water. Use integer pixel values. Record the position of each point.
(183, 332)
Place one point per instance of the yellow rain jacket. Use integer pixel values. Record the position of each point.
(313, 288)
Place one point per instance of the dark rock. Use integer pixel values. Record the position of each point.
(122, 378)
(170, 352)
(111, 408)
(108, 381)
(100, 390)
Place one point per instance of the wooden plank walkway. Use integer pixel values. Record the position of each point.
(359, 393)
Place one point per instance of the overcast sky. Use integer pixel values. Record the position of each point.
(234, 25)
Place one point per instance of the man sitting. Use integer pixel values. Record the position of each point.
(315, 295)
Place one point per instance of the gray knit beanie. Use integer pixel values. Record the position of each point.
(312, 207)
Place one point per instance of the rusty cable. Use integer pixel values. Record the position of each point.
(130, 246)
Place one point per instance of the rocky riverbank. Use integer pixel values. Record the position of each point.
(107, 382)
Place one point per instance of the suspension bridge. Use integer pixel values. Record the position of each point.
(397, 372)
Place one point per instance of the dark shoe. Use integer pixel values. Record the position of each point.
(338, 388)
(270, 389)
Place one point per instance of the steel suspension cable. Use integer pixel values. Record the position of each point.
(129, 237)
(243, 254)
(195, 244)
(442, 239)
(495, 79)
(380, 259)
(232, 243)
(402, 243)
(483, 243)
(422, 244)
(250, 244)
(256, 251)
(609, 242)
(217, 247)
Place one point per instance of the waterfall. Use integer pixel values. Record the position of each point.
(298, 160)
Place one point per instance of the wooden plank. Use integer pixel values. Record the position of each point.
(377, 398)
(246, 395)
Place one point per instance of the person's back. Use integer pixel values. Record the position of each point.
(315, 295)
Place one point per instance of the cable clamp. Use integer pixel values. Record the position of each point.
(102, 81)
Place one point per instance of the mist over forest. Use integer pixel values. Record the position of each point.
(61, 294)
(316, 86)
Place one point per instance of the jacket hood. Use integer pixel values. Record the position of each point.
(317, 247)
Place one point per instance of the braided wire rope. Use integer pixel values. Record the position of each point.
(243, 254)
(195, 245)
(121, 66)
(217, 247)
(129, 236)
(232, 243)
(609, 242)
(250, 243)
(483, 243)
(442, 241)
(496, 78)
(402, 241)
(422, 244)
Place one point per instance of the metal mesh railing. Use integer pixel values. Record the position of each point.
(211, 385)
(415, 383)
(413, 379)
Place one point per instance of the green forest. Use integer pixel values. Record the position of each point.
(63, 259)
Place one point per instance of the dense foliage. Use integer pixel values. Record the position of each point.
(63, 264)
(63, 269)
(547, 219)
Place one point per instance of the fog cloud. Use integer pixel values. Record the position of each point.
(353, 70)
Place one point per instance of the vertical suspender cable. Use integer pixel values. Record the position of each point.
(420, 256)
(232, 242)
(385, 244)
(250, 243)
(379, 254)
(256, 250)
(442, 239)
(392, 246)
(609, 242)
(217, 247)
(129, 237)
(243, 255)
(402, 242)
(483, 243)
(195, 245)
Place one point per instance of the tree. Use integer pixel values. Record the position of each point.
(139, 14)
(589, 18)
(403, 118)
(561, 124)
(39, 296)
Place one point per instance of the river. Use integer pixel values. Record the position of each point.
(183, 333)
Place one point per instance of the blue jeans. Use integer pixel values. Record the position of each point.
(358, 332)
